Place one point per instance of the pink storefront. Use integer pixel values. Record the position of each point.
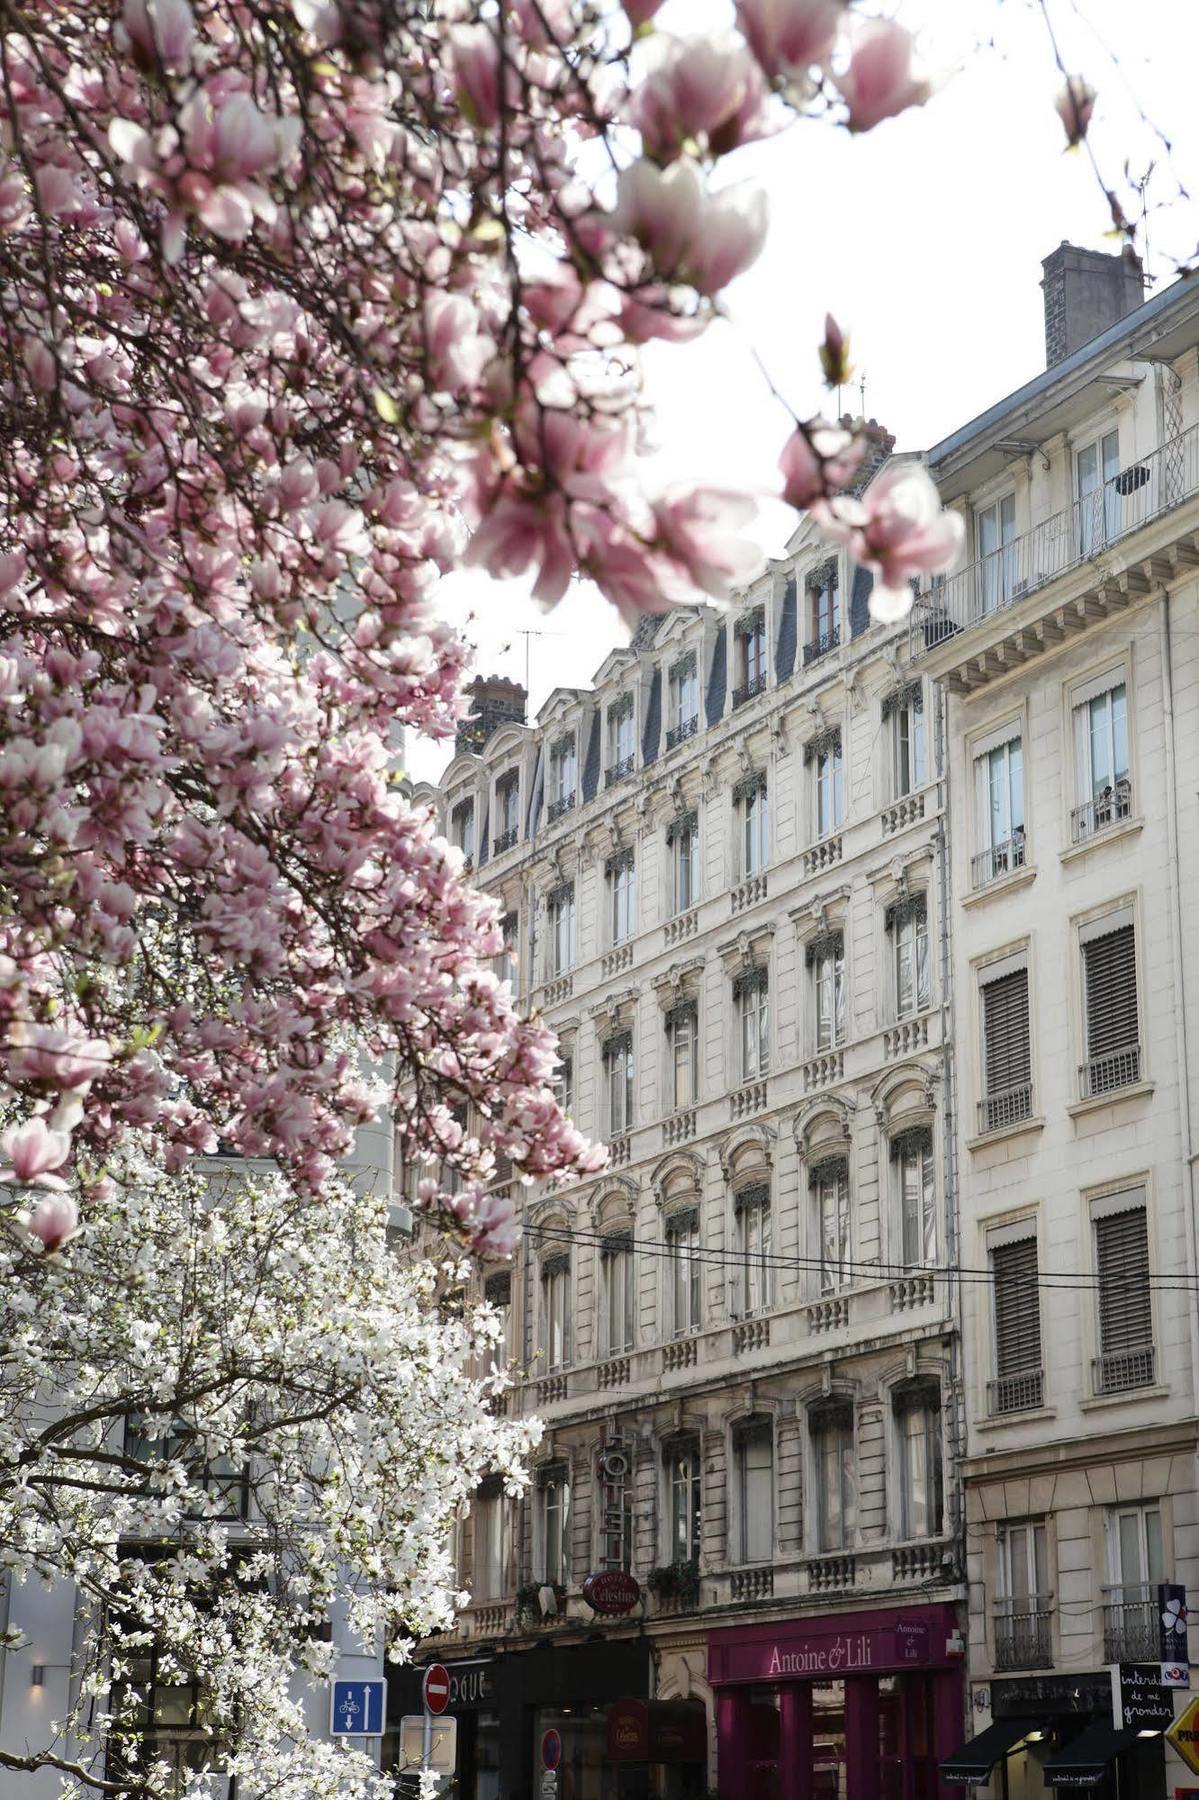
(851, 1706)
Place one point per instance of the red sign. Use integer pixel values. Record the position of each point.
(435, 1688)
(612, 1592)
(662, 1731)
(551, 1749)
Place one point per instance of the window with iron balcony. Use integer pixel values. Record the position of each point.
(563, 783)
(622, 756)
(507, 795)
(1019, 1382)
(751, 655)
(1100, 710)
(684, 701)
(824, 630)
(1111, 1015)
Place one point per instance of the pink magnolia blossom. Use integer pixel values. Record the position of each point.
(160, 29)
(33, 1151)
(690, 235)
(818, 460)
(697, 529)
(900, 530)
(789, 36)
(1074, 106)
(699, 88)
(879, 82)
(54, 1221)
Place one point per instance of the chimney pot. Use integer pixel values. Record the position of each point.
(1086, 292)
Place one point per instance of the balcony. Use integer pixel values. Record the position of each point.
(751, 1334)
(752, 1584)
(749, 690)
(557, 809)
(619, 771)
(678, 734)
(985, 592)
(749, 892)
(831, 1574)
(823, 854)
(505, 841)
(997, 861)
(820, 646)
(1110, 807)
(1022, 1392)
(1108, 1073)
(683, 925)
(1130, 1624)
(1023, 1632)
(1120, 1371)
(1007, 1107)
(679, 1127)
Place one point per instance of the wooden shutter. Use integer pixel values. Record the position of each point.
(1122, 1255)
(1017, 1307)
(1005, 1032)
(1110, 978)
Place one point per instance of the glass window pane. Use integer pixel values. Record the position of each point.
(1155, 1569)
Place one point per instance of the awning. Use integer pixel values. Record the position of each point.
(1085, 1762)
(972, 1764)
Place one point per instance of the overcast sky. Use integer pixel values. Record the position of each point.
(925, 240)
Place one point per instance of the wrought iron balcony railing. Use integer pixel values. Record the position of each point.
(505, 841)
(1023, 1632)
(1021, 1392)
(1108, 1073)
(821, 645)
(1121, 1370)
(619, 771)
(1110, 807)
(1007, 1107)
(558, 808)
(997, 861)
(1130, 1624)
(749, 690)
(678, 734)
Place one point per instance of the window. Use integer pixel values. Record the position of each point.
(555, 1310)
(497, 1291)
(225, 1482)
(836, 1478)
(490, 1517)
(999, 810)
(755, 1492)
(1006, 1048)
(907, 921)
(1022, 1619)
(684, 1483)
(1109, 998)
(564, 1081)
(904, 712)
(621, 875)
(830, 784)
(918, 1437)
(1136, 1564)
(617, 1292)
(618, 1081)
(996, 533)
(1019, 1377)
(826, 959)
(508, 961)
(912, 1156)
(684, 1270)
(555, 1526)
(684, 702)
(163, 1717)
(753, 1282)
(462, 828)
(830, 1198)
(1098, 465)
(751, 993)
(682, 837)
(750, 797)
(563, 778)
(1101, 758)
(560, 947)
(824, 632)
(621, 754)
(751, 656)
(507, 795)
(682, 1032)
(1124, 1310)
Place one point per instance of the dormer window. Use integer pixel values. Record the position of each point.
(684, 701)
(564, 779)
(824, 631)
(621, 752)
(507, 799)
(751, 656)
(462, 828)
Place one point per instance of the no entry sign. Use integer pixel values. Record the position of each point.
(435, 1688)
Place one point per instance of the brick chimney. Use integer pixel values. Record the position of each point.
(1086, 291)
(497, 701)
(879, 445)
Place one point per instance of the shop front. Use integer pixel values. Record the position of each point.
(850, 1706)
(1056, 1734)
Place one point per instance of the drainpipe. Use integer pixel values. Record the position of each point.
(949, 1090)
(1180, 1010)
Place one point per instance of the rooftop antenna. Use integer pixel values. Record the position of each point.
(528, 633)
(862, 392)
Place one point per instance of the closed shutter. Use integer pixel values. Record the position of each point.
(1005, 1032)
(1122, 1253)
(1110, 975)
(1017, 1308)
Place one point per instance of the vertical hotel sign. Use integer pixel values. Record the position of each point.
(1172, 1634)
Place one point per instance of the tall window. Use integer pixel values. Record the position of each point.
(750, 796)
(684, 1270)
(904, 712)
(618, 1081)
(751, 655)
(225, 1481)
(165, 1717)
(822, 601)
(1124, 1309)
(684, 700)
(754, 1459)
(564, 1081)
(912, 1155)
(563, 776)
(682, 1031)
(999, 810)
(996, 527)
(1110, 1012)
(620, 740)
(830, 784)
(1097, 465)
(497, 1291)
(751, 992)
(684, 1482)
(682, 837)
(755, 1251)
(622, 895)
(1022, 1632)
(555, 1526)
(826, 959)
(1136, 1555)
(918, 1436)
(507, 796)
(1101, 760)
(836, 1477)
(1006, 1048)
(617, 1291)
(462, 828)
(1019, 1375)
(508, 963)
(907, 921)
(490, 1519)
(555, 1310)
(830, 1198)
(560, 946)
